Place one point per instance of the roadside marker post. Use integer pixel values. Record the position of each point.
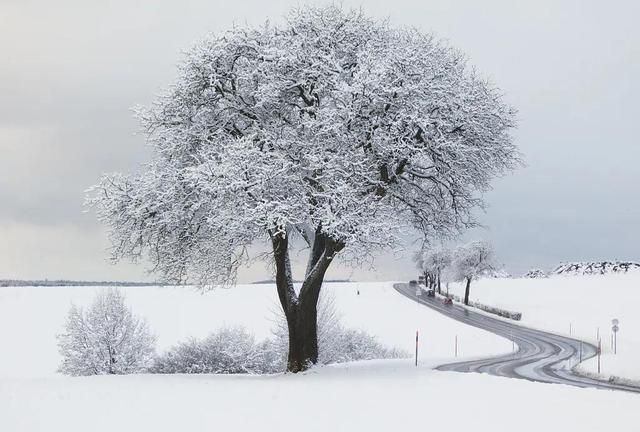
(599, 351)
(580, 352)
(513, 343)
(416, 348)
(611, 342)
(456, 349)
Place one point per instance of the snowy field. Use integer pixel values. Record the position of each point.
(579, 306)
(371, 396)
(177, 313)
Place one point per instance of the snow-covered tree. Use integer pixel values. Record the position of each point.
(471, 261)
(333, 128)
(105, 339)
(433, 262)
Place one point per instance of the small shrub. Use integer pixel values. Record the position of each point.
(105, 339)
(229, 351)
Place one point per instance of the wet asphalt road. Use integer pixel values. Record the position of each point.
(538, 356)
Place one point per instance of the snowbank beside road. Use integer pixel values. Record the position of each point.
(578, 306)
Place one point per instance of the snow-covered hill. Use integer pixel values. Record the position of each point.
(596, 267)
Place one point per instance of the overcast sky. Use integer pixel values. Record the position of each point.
(71, 70)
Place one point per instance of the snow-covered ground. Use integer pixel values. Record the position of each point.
(177, 313)
(371, 396)
(580, 306)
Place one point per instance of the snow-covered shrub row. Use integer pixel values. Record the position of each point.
(105, 339)
(230, 350)
(516, 316)
(234, 350)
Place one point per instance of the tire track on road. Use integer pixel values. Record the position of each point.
(541, 356)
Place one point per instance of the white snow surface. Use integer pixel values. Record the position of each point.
(372, 396)
(578, 306)
(177, 313)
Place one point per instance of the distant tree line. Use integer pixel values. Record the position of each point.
(462, 264)
(62, 282)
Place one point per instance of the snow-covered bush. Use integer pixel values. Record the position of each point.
(105, 339)
(337, 344)
(235, 351)
(535, 274)
(350, 345)
(231, 350)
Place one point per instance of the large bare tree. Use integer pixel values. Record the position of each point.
(333, 127)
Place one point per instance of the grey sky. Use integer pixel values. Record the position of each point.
(71, 70)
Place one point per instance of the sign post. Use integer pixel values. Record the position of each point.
(599, 350)
(614, 329)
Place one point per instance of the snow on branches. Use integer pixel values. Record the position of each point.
(470, 261)
(107, 338)
(332, 125)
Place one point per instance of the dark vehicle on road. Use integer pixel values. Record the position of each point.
(431, 293)
(448, 301)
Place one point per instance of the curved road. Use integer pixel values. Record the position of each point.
(541, 356)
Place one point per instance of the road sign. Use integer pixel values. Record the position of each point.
(615, 322)
(615, 328)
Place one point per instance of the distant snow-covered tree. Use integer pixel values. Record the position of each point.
(334, 128)
(107, 338)
(471, 261)
(433, 262)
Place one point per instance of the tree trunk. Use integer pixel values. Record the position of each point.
(303, 337)
(466, 292)
(439, 287)
(301, 310)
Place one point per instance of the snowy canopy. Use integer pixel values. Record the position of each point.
(332, 122)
